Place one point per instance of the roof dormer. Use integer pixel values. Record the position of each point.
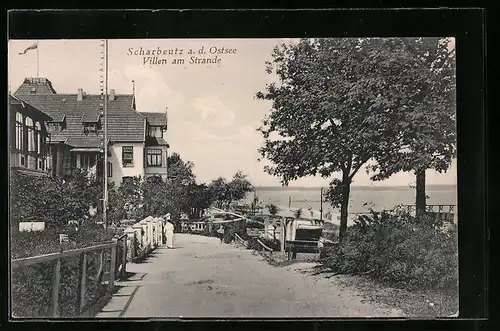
(91, 124)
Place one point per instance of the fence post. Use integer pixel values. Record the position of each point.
(124, 258)
(80, 304)
(56, 277)
(112, 269)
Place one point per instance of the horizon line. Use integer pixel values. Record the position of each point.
(318, 186)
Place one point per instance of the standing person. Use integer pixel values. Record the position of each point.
(220, 231)
(169, 231)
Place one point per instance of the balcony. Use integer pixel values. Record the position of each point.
(33, 164)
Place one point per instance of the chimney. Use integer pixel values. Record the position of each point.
(80, 95)
(111, 95)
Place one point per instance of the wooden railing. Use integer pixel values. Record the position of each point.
(239, 239)
(121, 250)
(82, 253)
(449, 209)
(264, 246)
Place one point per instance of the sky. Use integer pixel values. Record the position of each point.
(212, 110)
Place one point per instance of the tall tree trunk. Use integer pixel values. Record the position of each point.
(420, 197)
(346, 190)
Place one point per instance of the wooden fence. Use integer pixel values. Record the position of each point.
(116, 268)
(448, 209)
(137, 241)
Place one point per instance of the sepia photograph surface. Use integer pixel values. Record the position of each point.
(233, 178)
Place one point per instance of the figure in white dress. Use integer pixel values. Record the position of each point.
(169, 232)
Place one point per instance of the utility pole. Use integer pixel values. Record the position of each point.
(321, 206)
(105, 143)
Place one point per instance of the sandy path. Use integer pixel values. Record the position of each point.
(203, 278)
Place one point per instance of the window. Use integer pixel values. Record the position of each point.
(155, 131)
(33, 90)
(154, 157)
(110, 169)
(85, 161)
(38, 137)
(31, 135)
(54, 127)
(128, 156)
(90, 128)
(19, 131)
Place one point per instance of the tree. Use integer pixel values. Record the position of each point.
(218, 191)
(155, 196)
(132, 196)
(180, 172)
(330, 113)
(273, 209)
(238, 188)
(426, 128)
(224, 193)
(180, 178)
(199, 197)
(298, 213)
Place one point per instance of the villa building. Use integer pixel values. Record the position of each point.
(28, 138)
(136, 142)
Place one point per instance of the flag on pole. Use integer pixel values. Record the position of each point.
(34, 46)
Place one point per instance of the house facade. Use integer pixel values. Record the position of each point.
(135, 140)
(28, 148)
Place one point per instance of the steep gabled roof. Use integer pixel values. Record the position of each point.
(13, 100)
(156, 119)
(156, 141)
(124, 123)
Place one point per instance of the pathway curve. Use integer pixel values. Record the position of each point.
(203, 278)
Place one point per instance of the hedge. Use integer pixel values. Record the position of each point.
(399, 249)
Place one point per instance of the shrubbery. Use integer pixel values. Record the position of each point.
(51, 199)
(234, 227)
(25, 244)
(399, 249)
(56, 202)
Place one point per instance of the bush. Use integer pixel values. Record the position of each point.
(25, 244)
(234, 227)
(51, 199)
(399, 249)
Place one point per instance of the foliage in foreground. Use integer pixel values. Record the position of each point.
(342, 104)
(401, 250)
(30, 286)
(52, 199)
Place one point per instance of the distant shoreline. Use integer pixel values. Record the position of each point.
(361, 187)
